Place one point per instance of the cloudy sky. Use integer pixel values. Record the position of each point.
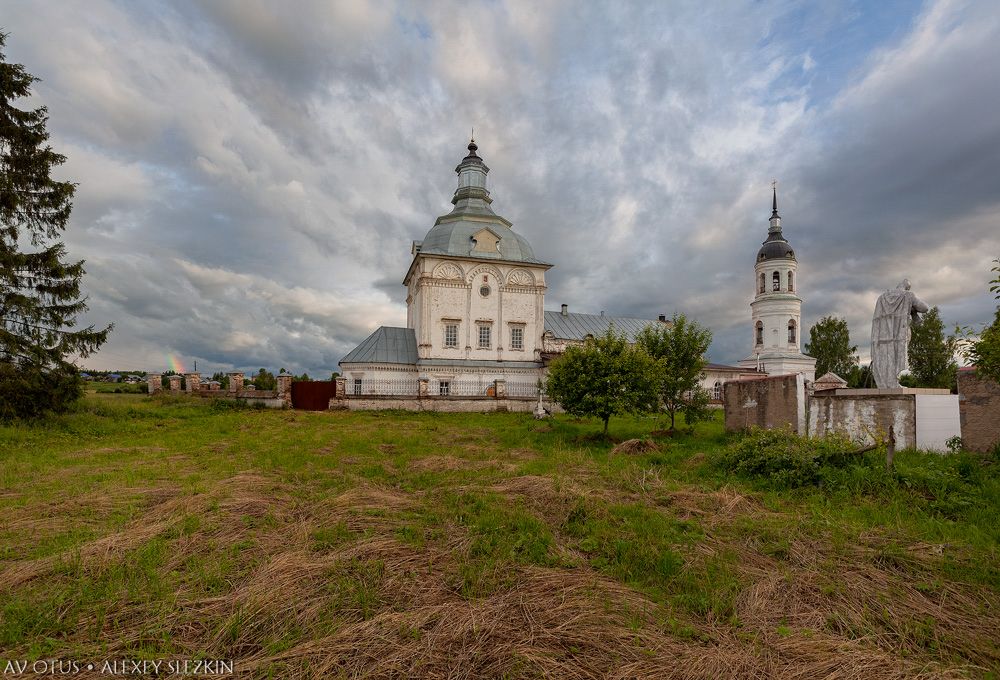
(251, 174)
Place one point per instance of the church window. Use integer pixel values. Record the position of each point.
(791, 282)
(451, 335)
(357, 386)
(791, 331)
(484, 336)
(444, 387)
(776, 282)
(516, 337)
(717, 391)
(760, 333)
(761, 284)
(484, 290)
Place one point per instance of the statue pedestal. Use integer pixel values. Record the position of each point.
(921, 418)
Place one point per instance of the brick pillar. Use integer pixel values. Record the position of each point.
(236, 381)
(422, 389)
(285, 388)
(192, 381)
(175, 383)
(154, 382)
(340, 389)
(500, 388)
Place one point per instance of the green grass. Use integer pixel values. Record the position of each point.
(175, 526)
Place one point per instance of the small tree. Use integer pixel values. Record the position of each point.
(984, 351)
(265, 380)
(679, 349)
(830, 343)
(40, 295)
(931, 354)
(604, 377)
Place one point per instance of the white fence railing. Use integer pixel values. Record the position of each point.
(462, 387)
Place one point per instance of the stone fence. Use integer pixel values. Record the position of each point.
(193, 386)
(920, 418)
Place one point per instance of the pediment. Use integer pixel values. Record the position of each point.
(485, 241)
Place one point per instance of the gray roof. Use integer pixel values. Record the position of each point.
(387, 345)
(579, 326)
(726, 367)
(775, 248)
(454, 237)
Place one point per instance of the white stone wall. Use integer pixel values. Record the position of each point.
(447, 290)
(938, 420)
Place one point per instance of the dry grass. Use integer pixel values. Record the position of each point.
(309, 575)
(636, 446)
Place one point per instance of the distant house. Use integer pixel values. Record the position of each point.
(114, 377)
(86, 376)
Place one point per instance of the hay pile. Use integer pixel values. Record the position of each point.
(636, 446)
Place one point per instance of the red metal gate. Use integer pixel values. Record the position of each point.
(313, 395)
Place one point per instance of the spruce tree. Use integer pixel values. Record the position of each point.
(39, 288)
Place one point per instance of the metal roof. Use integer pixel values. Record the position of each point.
(726, 367)
(578, 326)
(454, 237)
(387, 345)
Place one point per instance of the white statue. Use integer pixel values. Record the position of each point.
(894, 312)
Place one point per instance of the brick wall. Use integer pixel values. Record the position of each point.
(979, 409)
(765, 402)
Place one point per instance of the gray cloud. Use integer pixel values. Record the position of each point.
(251, 177)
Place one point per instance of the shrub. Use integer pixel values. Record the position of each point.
(782, 459)
(943, 484)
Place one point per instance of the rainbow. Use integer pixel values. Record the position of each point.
(175, 364)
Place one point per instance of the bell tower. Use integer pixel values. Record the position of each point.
(776, 310)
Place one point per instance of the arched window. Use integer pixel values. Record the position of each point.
(717, 391)
(791, 282)
(791, 331)
(760, 333)
(761, 284)
(776, 281)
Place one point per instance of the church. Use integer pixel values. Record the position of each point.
(475, 309)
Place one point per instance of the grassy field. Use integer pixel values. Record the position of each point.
(483, 546)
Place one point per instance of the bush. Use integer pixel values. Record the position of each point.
(942, 484)
(782, 459)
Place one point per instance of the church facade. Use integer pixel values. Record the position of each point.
(475, 309)
(776, 310)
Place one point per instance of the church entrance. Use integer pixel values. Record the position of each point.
(313, 395)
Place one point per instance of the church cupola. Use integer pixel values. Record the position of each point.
(471, 191)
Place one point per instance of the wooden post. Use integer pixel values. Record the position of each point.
(890, 450)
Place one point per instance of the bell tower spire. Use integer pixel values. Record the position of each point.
(775, 217)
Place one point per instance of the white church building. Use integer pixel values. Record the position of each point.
(475, 309)
(776, 310)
